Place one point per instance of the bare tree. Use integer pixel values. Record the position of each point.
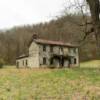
(95, 11)
(79, 7)
(87, 8)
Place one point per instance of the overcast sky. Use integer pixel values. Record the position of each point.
(20, 12)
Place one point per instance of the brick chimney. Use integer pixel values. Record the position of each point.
(35, 36)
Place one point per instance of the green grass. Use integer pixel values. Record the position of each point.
(60, 84)
(91, 64)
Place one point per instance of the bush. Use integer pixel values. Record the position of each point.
(1, 63)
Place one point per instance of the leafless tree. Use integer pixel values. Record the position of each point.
(81, 8)
(94, 6)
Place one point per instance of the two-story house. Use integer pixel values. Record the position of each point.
(46, 53)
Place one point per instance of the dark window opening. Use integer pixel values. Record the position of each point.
(70, 61)
(51, 61)
(44, 61)
(23, 62)
(75, 61)
(44, 48)
(75, 50)
(51, 49)
(26, 62)
(69, 50)
(61, 49)
(17, 64)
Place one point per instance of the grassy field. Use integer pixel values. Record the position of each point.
(60, 84)
(91, 64)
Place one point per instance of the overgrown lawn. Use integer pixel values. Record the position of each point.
(45, 84)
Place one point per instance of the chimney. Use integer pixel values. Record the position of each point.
(35, 36)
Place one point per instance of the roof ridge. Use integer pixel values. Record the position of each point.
(54, 42)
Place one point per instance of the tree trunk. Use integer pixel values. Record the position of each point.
(95, 10)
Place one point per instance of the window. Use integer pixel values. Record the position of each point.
(17, 64)
(74, 50)
(70, 61)
(23, 62)
(44, 48)
(69, 50)
(75, 61)
(62, 49)
(26, 62)
(51, 48)
(51, 61)
(44, 61)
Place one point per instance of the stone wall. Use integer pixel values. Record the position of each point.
(37, 55)
(57, 50)
(34, 55)
(22, 63)
(32, 60)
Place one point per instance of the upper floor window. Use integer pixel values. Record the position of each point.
(69, 50)
(74, 50)
(51, 48)
(44, 47)
(62, 49)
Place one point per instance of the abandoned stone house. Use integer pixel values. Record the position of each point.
(46, 53)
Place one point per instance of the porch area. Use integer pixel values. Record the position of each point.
(61, 61)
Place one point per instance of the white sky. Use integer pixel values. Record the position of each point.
(22, 12)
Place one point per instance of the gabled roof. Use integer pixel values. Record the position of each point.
(50, 42)
(36, 39)
(23, 56)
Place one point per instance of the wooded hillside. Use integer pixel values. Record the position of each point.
(15, 41)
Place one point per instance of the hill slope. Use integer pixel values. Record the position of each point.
(91, 64)
(15, 41)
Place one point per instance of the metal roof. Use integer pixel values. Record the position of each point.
(50, 42)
